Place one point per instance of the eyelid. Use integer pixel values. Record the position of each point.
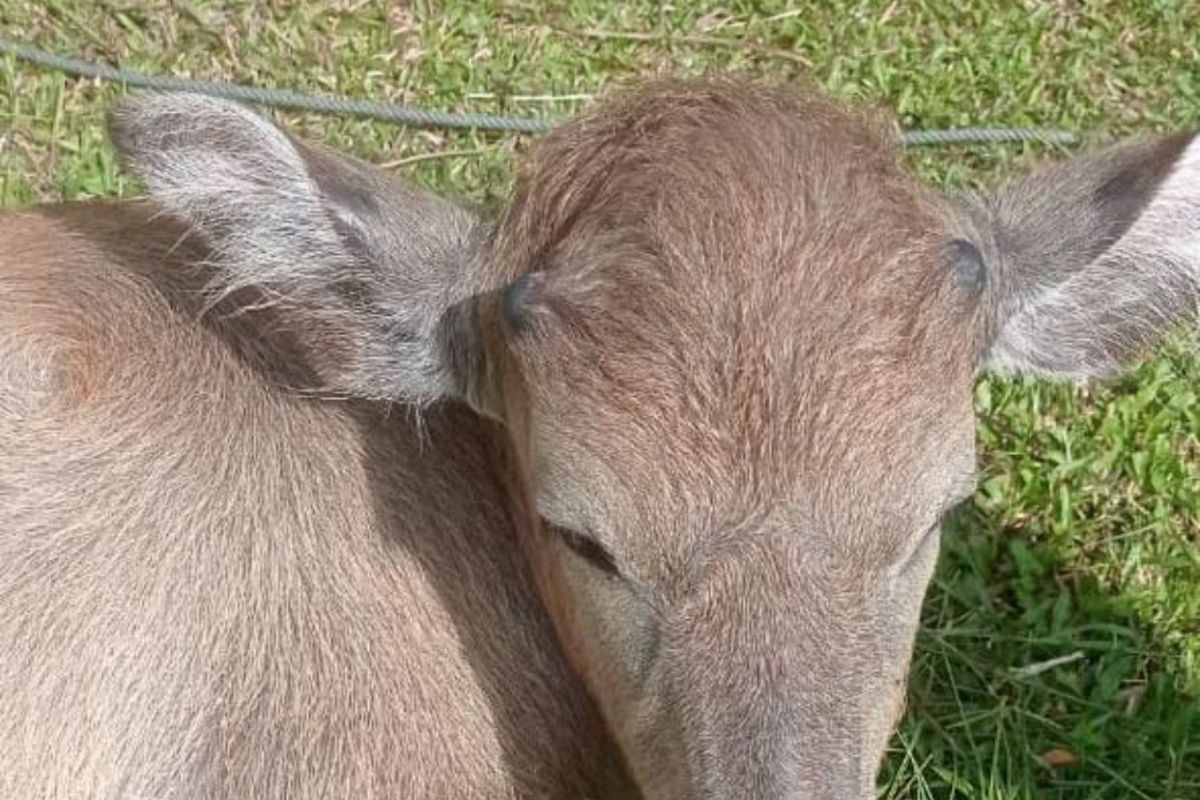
(589, 549)
(640, 589)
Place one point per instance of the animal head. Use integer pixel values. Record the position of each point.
(734, 343)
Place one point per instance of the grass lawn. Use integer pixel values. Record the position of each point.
(1060, 656)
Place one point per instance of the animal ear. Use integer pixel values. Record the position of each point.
(1096, 259)
(365, 265)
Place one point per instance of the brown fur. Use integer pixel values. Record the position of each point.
(740, 280)
(721, 262)
(216, 588)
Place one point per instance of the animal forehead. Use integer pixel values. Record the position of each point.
(754, 271)
(712, 168)
(765, 223)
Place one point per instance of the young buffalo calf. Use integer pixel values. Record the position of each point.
(720, 344)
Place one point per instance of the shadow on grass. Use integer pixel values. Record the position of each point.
(1030, 680)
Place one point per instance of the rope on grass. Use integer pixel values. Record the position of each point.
(278, 98)
(424, 118)
(947, 136)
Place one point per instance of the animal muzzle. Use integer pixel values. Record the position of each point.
(774, 681)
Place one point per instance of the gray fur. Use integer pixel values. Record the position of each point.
(1096, 258)
(368, 259)
(215, 589)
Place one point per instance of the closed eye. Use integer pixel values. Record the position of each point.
(589, 550)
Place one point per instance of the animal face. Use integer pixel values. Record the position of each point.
(748, 356)
(734, 345)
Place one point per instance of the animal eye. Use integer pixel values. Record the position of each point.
(589, 550)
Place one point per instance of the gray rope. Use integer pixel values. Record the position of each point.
(422, 118)
(937, 138)
(279, 98)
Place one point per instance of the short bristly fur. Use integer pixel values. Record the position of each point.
(215, 588)
(730, 347)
